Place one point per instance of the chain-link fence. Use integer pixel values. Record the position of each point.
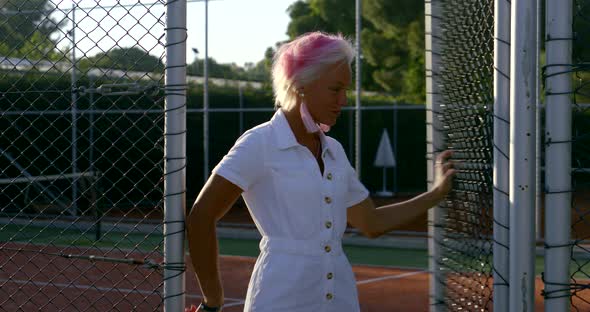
(82, 155)
(567, 91)
(466, 78)
(580, 255)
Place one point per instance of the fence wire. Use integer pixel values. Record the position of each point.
(81, 159)
(467, 116)
(580, 255)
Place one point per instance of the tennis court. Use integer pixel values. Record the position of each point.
(42, 272)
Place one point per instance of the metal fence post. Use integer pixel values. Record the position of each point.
(206, 98)
(434, 141)
(74, 107)
(558, 149)
(358, 129)
(175, 156)
(501, 152)
(522, 155)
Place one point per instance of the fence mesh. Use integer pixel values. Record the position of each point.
(580, 255)
(81, 155)
(466, 113)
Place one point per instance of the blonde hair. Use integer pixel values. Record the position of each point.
(301, 61)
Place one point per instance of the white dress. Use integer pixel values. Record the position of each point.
(301, 215)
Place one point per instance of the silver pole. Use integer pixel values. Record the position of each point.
(558, 124)
(357, 152)
(206, 97)
(522, 155)
(97, 229)
(241, 94)
(434, 142)
(538, 189)
(175, 157)
(395, 125)
(351, 147)
(501, 164)
(91, 125)
(74, 206)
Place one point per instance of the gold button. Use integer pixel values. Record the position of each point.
(327, 248)
(329, 296)
(328, 224)
(329, 176)
(328, 200)
(330, 275)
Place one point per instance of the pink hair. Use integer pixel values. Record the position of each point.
(302, 60)
(306, 49)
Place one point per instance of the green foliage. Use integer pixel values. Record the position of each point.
(26, 30)
(37, 47)
(250, 71)
(132, 59)
(17, 27)
(392, 40)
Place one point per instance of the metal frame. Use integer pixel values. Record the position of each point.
(558, 154)
(501, 151)
(522, 155)
(358, 117)
(175, 156)
(434, 142)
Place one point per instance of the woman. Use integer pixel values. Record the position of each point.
(300, 190)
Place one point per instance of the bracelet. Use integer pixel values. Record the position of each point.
(207, 308)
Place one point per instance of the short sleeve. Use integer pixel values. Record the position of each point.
(243, 165)
(357, 192)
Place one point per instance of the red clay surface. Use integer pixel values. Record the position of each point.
(34, 281)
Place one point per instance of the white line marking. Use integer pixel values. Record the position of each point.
(378, 279)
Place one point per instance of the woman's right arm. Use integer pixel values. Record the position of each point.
(214, 201)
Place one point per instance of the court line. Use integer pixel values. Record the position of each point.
(105, 289)
(389, 277)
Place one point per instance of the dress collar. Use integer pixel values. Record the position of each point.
(286, 139)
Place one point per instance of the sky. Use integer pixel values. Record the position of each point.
(239, 30)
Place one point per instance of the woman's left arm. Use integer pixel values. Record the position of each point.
(374, 222)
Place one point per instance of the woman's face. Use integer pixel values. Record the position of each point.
(326, 96)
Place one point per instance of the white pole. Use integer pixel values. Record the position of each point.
(434, 141)
(241, 94)
(384, 180)
(206, 97)
(357, 158)
(538, 189)
(395, 127)
(175, 157)
(522, 155)
(74, 108)
(558, 47)
(501, 151)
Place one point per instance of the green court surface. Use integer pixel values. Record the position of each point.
(358, 255)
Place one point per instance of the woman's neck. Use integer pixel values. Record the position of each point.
(296, 123)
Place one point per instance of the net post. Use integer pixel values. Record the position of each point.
(501, 162)
(558, 124)
(175, 156)
(522, 155)
(433, 144)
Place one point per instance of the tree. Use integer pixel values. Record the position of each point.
(395, 46)
(25, 22)
(392, 39)
(132, 59)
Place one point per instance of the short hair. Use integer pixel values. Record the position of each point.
(302, 61)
